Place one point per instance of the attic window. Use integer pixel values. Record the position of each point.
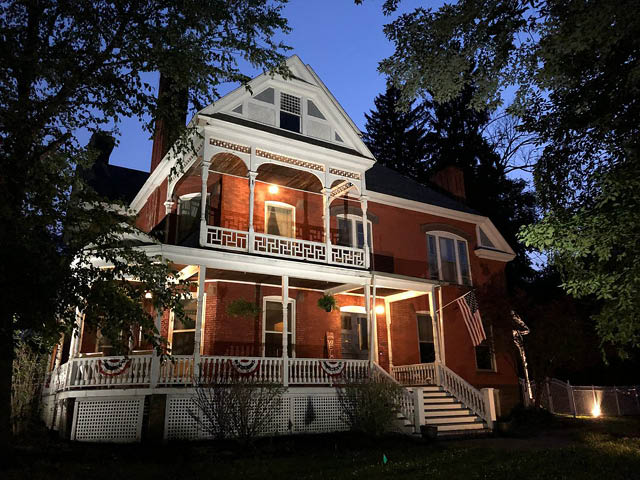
(238, 109)
(313, 110)
(267, 96)
(338, 137)
(484, 240)
(290, 112)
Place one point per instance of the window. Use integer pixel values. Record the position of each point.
(272, 327)
(425, 338)
(289, 112)
(351, 231)
(279, 219)
(354, 335)
(448, 259)
(189, 215)
(314, 111)
(182, 335)
(485, 359)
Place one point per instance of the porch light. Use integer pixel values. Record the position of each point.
(595, 411)
(148, 295)
(379, 309)
(273, 189)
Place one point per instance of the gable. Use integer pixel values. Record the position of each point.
(301, 105)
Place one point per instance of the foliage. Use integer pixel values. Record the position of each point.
(395, 136)
(327, 302)
(28, 377)
(68, 67)
(241, 409)
(369, 406)
(242, 308)
(573, 68)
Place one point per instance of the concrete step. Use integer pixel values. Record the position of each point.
(443, 406)
(434, 394)
(449, 420)
(432, 388)
(447, 399)
(447, 412)
(461, 426)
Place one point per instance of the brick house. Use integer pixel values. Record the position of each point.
(280, 204)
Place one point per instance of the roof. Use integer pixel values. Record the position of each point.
(114, 182)
(385, 180)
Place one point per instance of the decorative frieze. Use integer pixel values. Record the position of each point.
(289, 160)
(229, 146)
(344, 173)
(340, 189)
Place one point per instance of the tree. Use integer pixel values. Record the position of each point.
(396, 136)
(67, 66)
(574, 66)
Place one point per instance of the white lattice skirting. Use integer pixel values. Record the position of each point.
(108, 419)
(299, 412)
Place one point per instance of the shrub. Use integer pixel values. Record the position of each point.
(237, 409)
(327, 302)
(369, 406)
(26, 386)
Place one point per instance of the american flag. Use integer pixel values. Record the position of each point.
(471, 314)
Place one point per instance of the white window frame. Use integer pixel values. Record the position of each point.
(492, 351)
(194, 296)
(280, 205)
(187, 196)
(455, 238)
(354, 230)
(303, 109)
(278, 299)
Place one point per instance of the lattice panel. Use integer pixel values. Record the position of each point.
(227, 238)
(180, 424)
(347, 256)
(289, 103)
(290, 247)
(317, 414)
(109, 420)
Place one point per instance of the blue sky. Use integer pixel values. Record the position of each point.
(343, 43)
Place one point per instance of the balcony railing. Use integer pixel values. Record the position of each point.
(182, 370)
(284, 247)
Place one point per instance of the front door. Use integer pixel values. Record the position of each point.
(425, 338)
(355, 337)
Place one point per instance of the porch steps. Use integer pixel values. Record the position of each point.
(449, 416)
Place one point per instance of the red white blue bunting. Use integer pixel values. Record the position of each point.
(113, 367)
(333, 369)
(245, 366)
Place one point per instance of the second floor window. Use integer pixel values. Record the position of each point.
(279, 219)
(189, 215)
(448, 258)
(351, 231)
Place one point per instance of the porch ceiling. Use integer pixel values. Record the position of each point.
(289, 177)
(380, 292)
(217, 274)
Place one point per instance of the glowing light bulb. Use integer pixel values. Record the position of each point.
(273, 189)
(596, 410)
(379, 309)
(148, 295)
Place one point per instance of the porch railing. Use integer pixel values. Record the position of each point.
(284, 247)
(318, 371)
(418, 374)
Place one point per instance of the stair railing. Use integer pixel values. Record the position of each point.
(406, 402)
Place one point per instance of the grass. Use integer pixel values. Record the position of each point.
(603, 449)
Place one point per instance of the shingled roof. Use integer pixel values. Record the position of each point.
(114, 182)
(385, 180)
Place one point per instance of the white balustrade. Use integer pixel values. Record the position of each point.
(229, 369)
(177, 369)
(418, 374)
(353, 257)
(318, 371)
(107, 371)
(465, 392)
(289, 247)
(227, 238)
(406, 402)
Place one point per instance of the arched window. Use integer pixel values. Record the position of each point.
(351, 231)
(448, 258)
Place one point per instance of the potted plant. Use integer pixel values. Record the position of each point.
(327, 302)
(242, 308)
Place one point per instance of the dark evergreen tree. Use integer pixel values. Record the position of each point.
(396, 137)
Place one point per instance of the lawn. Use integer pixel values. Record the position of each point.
(602, 449)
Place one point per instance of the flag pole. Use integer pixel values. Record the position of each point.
(454, 301)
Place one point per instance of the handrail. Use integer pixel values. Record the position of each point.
(406, 404)
(473, 398)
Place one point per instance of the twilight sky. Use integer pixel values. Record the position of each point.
(343, 43)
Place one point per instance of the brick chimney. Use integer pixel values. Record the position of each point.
(173, 103)
(102, 143)
(451, 179)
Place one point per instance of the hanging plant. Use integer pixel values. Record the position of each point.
(242, 308)
(327, 302)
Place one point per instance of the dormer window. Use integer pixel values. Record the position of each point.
(448, 258)
(290, 112)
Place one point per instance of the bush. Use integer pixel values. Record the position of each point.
(237, 409)
(26, 386)
(369, 406)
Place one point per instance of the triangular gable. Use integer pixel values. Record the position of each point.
(302, 104)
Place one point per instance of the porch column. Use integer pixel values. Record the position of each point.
(434, 324)
(154, 374)
(326, 192)
(74, 348)
(202, 273)
(374, 329)
(252, 187)
(365, 229)
(387, 315)
(443, 357)
(367, 307)
(203, 202)
(285, 331)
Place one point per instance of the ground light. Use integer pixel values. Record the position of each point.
(595, 411)
(273, 189)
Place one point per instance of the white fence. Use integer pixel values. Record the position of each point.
(285, 247)
(564, 398)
